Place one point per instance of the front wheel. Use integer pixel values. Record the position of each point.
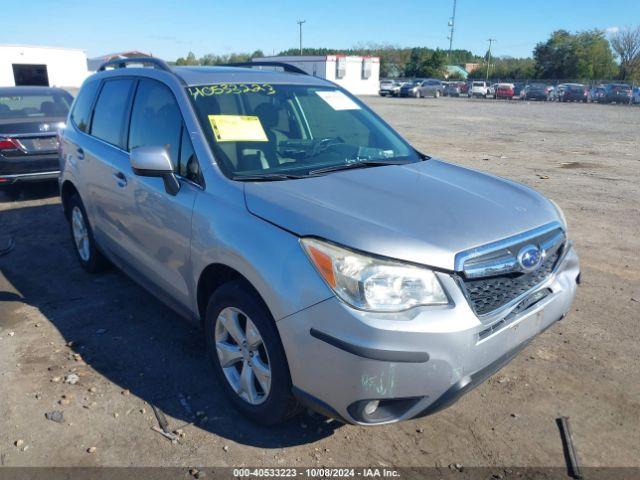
(247, 354)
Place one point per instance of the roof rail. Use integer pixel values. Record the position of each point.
(285, 66)
(122, 63)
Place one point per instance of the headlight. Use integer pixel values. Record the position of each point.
(373, 284)
(561, 215)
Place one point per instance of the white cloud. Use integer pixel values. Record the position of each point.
(612, 30)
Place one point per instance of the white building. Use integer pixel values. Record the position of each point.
(359, 75)
(48, 66)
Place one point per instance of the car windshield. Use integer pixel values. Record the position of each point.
(284, 131)
(39, 104)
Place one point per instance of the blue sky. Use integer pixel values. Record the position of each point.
(169, 29)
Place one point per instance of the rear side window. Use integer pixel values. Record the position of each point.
(155, 119)
(110, 113)
(82, 108)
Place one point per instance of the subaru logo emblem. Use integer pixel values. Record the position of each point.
(529, 257)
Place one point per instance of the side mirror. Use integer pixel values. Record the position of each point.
(155, 162)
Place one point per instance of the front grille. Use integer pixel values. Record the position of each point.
(489, 294)
(504, 281)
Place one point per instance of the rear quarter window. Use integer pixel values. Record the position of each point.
(81, 112)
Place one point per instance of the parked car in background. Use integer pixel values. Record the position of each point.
(536, 91)
(552, 93)
(389, 88)
(635, 96)
(481, 89)
(517, 89)
(572, 92)
(329, 263)
(410, 88)
(616, 93)
(454, 89)
(504, 91)
(29, 121)
(465, 87)
(596, 94)
(430, 87)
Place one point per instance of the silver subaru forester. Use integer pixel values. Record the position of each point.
(329, 263)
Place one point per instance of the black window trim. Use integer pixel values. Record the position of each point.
(91, 107)
(183, 130)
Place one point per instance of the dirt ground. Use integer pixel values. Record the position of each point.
(129, 351)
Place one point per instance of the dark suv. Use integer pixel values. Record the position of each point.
(616, 92)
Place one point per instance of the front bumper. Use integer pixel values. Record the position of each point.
(415, 362)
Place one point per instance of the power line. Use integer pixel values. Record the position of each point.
(490, 40)
(300, 22)
(452, 25)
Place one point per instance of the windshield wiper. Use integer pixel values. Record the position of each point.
(267, 177)
(360, 164)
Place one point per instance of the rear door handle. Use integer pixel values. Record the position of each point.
(121, 179)
(80, 153)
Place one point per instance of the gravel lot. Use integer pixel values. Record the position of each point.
(129, 351)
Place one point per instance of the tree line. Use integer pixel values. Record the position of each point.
(586, 55)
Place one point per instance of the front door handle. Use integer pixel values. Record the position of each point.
(120, 179)
(80, 153)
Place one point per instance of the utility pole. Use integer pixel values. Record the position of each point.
(300, 22)
(490, 40)
(452, 25)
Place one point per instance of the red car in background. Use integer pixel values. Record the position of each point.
(505, 90)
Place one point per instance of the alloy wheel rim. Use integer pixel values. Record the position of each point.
(243, 355)
(80, 234)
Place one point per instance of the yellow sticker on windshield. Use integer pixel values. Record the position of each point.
(237, 128)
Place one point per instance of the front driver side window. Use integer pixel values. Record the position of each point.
(156, 119)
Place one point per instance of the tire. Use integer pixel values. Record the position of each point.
(91, 259)
(268, 401)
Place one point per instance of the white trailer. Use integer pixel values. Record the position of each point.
(45, 66)
(359, 75)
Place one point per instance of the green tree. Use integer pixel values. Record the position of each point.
(583, 55)
(506, 68)
(190, 60)
(424, 62)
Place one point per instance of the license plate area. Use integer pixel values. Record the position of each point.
(39, 144)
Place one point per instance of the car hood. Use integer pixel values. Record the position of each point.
(423, 212)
